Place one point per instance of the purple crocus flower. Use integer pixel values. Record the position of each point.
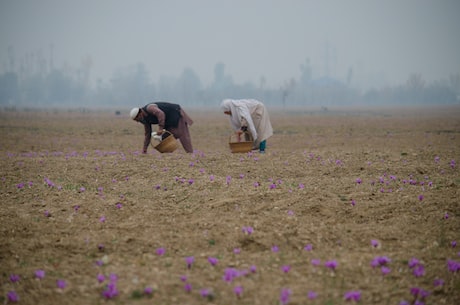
(110, 291)
(312, 295)
(13, 296)
(61, 284)
(315, 262)
(189, 260)
(100, 278)
(438, 283)
(286, 268)
(205, 292)
(352, 296)
(453, 266)
(148, 290)
(14, 278)
(160, 251)
(284, 296)
(374, 243)
(419, 270)
(275, 249)
(39, 274)
(331, 264)
(213, 260)
(308, 247)
(188, 287)
(238, 290)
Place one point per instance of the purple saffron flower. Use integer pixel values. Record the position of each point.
(352, 296)
(436, 159)
(415, 291)
(188, 287)
(183, 278)
(284, 296)
(20, 185)
(14, 278)
(446, 215)
(275, 249)
(312, 295)
(308, 247)
(160, 251)
(13, 296)
(453, 266)
(148, 290)
(359, 181)
(100, 278)
(213, 260)
(331, 264)
(419, 270)
(211, 178)
(453, 244)
(420, 197)
(438, 283)
(413, 262)
(286, 268)
(374, 243)
(301, 186)
(191, 181)
(290, 213)
(204, 292)
(189, 260)
(39, 274)
(452, 163)
(237, 251)
(61, 284)
(47, 213)
(247, 230)
(230, 274)
(82, 189)
(404, 302)
(315, 262)
(228, 179)
(238, 290)
(385, 270)
(101, 247)
(380, 261)
(119, 205)
(253, 269)
(272, 186)
(110, 291)
(102, 219)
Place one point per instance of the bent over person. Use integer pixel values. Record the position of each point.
(167, 116)
(249, 115)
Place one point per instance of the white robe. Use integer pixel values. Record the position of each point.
(251, 113)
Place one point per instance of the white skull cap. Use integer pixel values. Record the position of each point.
(134, 113)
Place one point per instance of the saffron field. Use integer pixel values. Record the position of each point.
(346, 206)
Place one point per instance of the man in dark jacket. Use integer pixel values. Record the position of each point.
(167, 116)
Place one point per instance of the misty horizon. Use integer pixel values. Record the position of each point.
(375, 43)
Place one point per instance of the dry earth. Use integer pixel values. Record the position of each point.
(80, 202)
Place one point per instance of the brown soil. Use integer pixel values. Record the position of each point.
(111, 208)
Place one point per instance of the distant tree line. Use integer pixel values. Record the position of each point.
(41, 85)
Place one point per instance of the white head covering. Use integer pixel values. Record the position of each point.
(133, 113)
(239, 109)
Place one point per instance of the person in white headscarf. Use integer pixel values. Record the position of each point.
(250, 115)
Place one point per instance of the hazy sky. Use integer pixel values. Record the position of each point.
(383, 41)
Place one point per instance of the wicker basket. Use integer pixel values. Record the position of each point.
(242, 146)
(168, 145)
